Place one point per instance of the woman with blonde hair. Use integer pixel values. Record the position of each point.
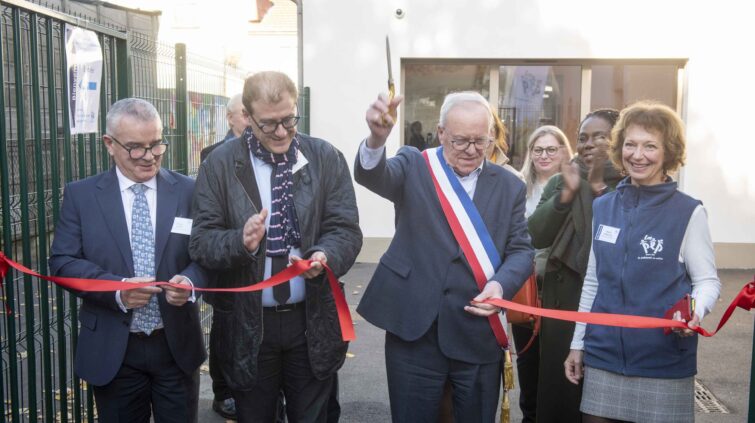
(499, 147)
(547, 150)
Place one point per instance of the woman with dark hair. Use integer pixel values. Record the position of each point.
(562, 222)
(651, 249)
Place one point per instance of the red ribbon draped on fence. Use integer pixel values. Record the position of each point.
(100, 285)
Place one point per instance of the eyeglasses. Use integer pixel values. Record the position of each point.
(550, 151)
(270, 127)
(157, 149)
(462, 144)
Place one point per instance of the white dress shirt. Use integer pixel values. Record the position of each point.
(127, 197)
(262, 173)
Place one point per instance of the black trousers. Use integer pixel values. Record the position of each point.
(283, 363)
(527, 366)
(418, 371)
(220, 389)
(148, 382)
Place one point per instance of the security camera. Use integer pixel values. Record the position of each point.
(400, 13)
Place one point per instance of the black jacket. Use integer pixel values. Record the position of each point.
(207, 150)
(226, 195)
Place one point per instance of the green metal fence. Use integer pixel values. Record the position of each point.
(38, 157)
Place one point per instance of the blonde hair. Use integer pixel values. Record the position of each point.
(267, 87)
(528, 170)
(499, 141)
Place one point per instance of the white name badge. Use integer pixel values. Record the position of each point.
(182, 226)
(607, 234)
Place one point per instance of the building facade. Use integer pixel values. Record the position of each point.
(545, 61)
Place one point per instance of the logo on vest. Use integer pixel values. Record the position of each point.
(652, 247)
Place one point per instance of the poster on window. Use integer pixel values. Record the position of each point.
(527, 93)
(84, 70)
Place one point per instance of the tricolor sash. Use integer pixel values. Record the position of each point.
(467, 226)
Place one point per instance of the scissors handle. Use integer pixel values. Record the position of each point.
(392, 112)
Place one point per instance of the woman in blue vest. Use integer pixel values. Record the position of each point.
(651, 247)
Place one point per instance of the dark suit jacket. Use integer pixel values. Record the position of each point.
(92, 241)
(207, 150)
(423, 277)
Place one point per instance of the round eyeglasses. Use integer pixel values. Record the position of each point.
(270, 127)
(550, 151)
(462, 144)
(135, 153)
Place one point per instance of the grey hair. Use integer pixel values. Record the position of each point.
(136, 108)
(234, 103)
(456, 99)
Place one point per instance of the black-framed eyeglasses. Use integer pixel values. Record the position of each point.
(270, 127)
(550, 151)
(157, 149)
(462, 144)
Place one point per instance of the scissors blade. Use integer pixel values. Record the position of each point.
(388, 55)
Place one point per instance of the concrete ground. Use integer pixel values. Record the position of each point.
(723, 361)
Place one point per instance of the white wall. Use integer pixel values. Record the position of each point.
(344, 64)
(222, 32)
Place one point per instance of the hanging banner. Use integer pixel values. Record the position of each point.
(527, 93)
(84, 70)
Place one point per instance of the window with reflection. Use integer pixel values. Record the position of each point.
(426, 87)
(617, 86)
(532, 96)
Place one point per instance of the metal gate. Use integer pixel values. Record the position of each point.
(38, 156)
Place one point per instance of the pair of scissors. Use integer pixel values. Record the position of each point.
(391, 87)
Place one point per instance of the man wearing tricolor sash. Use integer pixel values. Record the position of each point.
(461, 238)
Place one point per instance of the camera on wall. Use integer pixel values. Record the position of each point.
(399, 13)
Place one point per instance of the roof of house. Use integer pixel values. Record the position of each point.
(279, 19)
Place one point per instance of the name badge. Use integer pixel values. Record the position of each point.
(182, 226)
(607, 233)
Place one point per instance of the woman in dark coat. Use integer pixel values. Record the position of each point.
(562, 222)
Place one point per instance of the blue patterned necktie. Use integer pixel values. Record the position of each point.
(146, 318)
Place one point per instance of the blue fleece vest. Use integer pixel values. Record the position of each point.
(637, 237)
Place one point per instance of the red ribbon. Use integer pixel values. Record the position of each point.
(101, 285)
(745, 299)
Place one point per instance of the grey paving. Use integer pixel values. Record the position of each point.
(723, 361)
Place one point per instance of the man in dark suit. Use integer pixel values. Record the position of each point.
(238, 120)
(422, 288)
(140, 349)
